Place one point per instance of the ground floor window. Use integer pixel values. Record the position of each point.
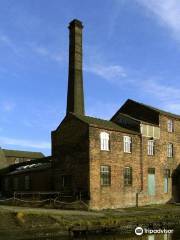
(166, 180)
(15, 183)
(151, 181)
(27, 182)
(66, 181)
(127, 176)
(6, 184)
(105, 173)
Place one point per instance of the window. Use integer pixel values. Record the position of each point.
(6, 184)
(151, 181)
(127, 144)
(127, 176)
(27, 182)
(66, 181)
(104, 141)
(150, 131)
(170, 125)
(150, 147)
(105, 175)
(170, 150)
(166, 180)
(17, 160)
(15, 183)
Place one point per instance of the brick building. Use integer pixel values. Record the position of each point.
(132, 159)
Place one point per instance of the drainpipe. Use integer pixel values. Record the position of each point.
(141, 171)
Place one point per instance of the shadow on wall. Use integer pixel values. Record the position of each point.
(176, 185)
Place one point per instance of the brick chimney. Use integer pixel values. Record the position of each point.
(75, 95)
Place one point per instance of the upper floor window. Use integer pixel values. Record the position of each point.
(17, 160)
(127, 144)
(127, 176)
(104, 141)
(170, 150)
(150, 131)
(150, 147)
(105, 175)
(170, 125)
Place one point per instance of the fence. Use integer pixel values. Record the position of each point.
(54, 201)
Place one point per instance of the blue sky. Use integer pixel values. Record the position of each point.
(131, 50)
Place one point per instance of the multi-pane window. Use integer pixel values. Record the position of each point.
(104, 141)
(17, 160)
(170, 150)
(27, 182)
(127, 176)
(150, 131)
(151, 182)
(170, 125)
(166, 180)
(105, 173)
(6, 184)
(66, 181)
(127, 144)
(15, 183)
(150, 147)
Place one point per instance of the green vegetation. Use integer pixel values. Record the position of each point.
(18, 221)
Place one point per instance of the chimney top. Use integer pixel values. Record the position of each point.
(75, 22)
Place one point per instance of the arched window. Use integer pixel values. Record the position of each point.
(104, 141)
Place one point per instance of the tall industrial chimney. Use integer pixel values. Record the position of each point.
(75, 96)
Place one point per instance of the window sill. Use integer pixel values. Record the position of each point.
(128, 152)
(105, 187)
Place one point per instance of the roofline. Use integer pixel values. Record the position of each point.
(157, 110)
(128, 131)
(107, 128)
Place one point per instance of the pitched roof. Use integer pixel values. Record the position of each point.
(156, 109)
(26, 154)
(97, 122)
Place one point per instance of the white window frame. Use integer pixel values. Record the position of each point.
(170, 125)
(104, 141)
(128, 176)
(105, 175)
(127, 142)
(150, 147)
(170, 150)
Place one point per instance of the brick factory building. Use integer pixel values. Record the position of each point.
(131, 159)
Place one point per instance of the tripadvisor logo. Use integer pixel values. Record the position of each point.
(139, 231)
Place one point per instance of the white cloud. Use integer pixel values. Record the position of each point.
(166, 11)
(163, 92)
(8, 106)
(45, 52)
(108, 72)
(6, 40)
(167, 97)
(25, 143)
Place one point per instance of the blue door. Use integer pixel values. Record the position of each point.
(151, 184)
